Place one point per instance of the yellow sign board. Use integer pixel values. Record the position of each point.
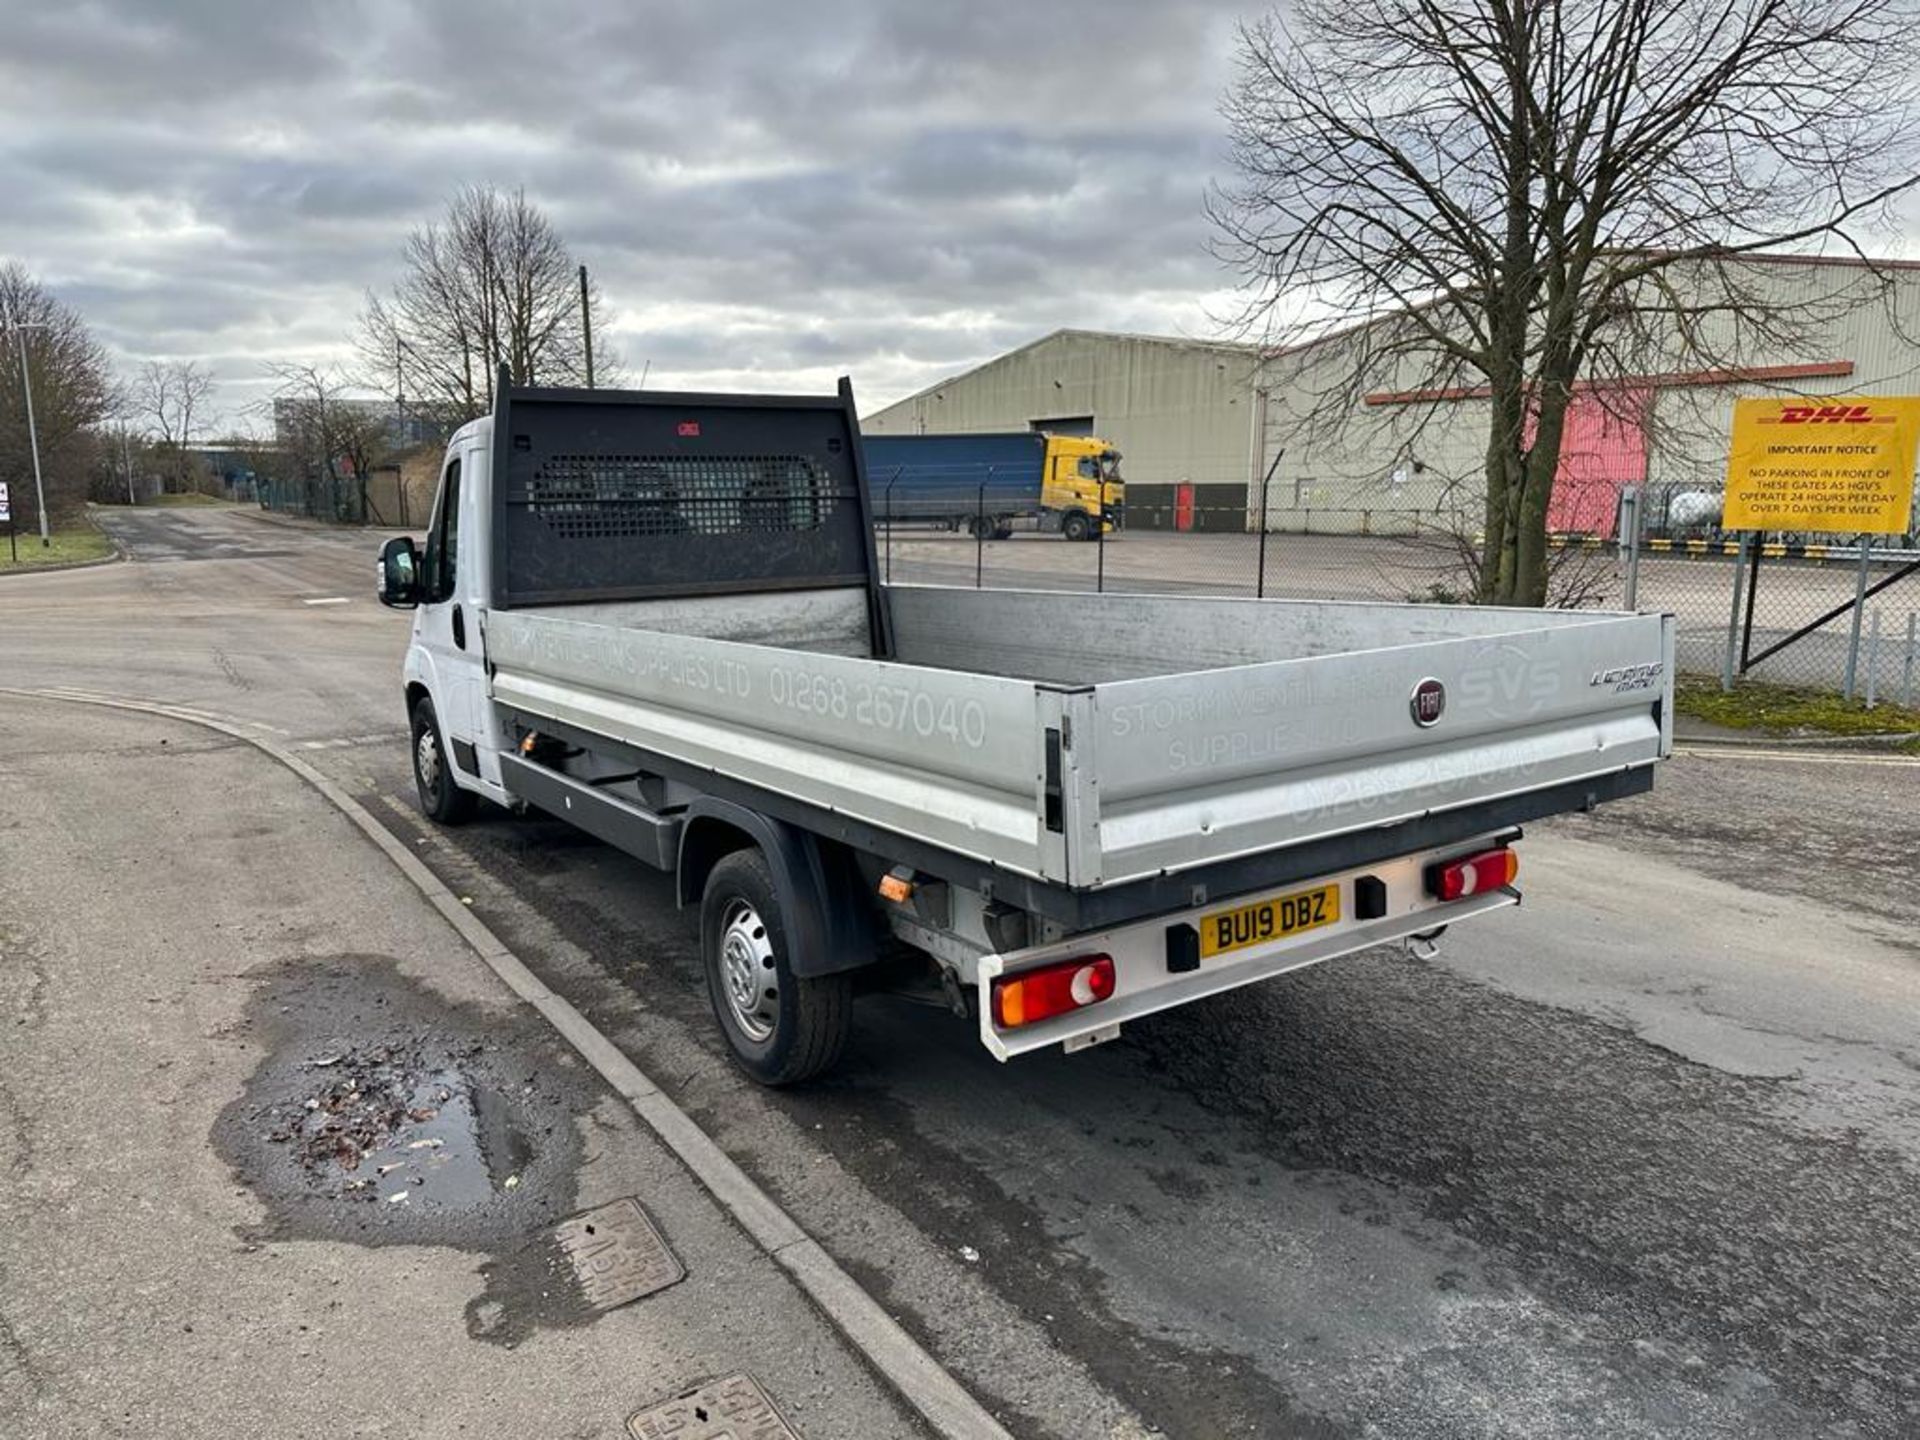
(1839, 466)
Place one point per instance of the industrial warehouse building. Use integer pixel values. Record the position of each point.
(1398, 453)
(1179, 411)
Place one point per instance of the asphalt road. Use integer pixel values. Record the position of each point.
(1636, 1160)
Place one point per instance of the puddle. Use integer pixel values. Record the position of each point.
(381, 1114)
(383, 1127)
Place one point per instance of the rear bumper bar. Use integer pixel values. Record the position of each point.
(1144, 984)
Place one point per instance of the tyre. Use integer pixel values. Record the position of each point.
(1076, 525)
(440, 799)
(1003, 530)
(980, 527)
(782, 1029)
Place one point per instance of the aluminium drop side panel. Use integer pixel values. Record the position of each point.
(1203, 767)
(1091, 638)
(951, 759)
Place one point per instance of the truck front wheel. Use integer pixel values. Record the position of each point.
(440, 798)
(781, 1028)
(1076, 525)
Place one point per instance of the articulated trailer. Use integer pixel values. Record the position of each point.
(985, 485)
(658, 617)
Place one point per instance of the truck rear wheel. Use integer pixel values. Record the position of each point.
(781, 1028)
(1076, 525)
(440, 798)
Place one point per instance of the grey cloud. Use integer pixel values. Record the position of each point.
(766, 192)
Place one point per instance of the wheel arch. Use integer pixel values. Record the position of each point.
(829, 927)
(422, 680)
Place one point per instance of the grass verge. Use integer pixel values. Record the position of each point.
(75, 543)
(1789, 710)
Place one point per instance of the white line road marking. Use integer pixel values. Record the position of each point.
(342, 742)
(327, 600)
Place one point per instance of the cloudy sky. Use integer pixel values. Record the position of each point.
(770, 193)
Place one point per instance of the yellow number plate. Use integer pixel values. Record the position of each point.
(1226, 930)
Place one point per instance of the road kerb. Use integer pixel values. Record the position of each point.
(1882, 759)
(64, 566)
(899, 1359)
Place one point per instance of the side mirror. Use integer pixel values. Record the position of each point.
(399, 574)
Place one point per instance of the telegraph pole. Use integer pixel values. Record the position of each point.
(586, 324)
(20, 328)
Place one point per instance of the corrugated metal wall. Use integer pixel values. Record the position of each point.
(1217, 414)
(1352, 467)
(1177, 410)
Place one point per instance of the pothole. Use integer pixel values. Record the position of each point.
(383, 1114)
(391, 1123)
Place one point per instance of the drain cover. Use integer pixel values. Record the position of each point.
(734, 1408)
(617, 1255)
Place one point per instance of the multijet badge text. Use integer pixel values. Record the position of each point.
(1629, 677)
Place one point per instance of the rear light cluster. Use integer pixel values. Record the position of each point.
(1473, 874)
(1036, 995)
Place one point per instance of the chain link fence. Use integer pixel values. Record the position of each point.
(1787, 616)
(334, 499)
(1830, 612)
(1171, 539)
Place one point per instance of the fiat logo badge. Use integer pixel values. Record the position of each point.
(1429, 702)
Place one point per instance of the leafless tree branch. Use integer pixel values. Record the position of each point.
(1528, 197)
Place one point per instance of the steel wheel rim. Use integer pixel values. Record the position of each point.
(748, 976)
(426, 758)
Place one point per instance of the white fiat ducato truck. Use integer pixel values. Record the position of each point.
(658, 617)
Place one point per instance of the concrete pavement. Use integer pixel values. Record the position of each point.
(190, 942)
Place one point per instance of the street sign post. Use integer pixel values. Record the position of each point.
(1825, 465)
(1840, 466)
(6, 514)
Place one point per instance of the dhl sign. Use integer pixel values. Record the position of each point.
(1827, 415)
(1840, 466)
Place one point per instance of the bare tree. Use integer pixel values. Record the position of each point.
(71, 393)
(491, 284)
(323, 433)
(120, 459)
(1517, 197)
(171, 397)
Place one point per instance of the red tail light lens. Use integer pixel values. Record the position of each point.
(1473, 875)
(1036, 995)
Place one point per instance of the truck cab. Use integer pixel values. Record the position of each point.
(1083, 479)
(452, 726)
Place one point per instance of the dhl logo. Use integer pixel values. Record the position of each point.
(1828, 415)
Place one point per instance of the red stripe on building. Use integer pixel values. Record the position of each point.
(1818, 370)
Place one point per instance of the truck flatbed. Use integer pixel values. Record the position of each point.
(1067, 744)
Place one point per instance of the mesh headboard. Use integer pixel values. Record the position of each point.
(624, 495)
